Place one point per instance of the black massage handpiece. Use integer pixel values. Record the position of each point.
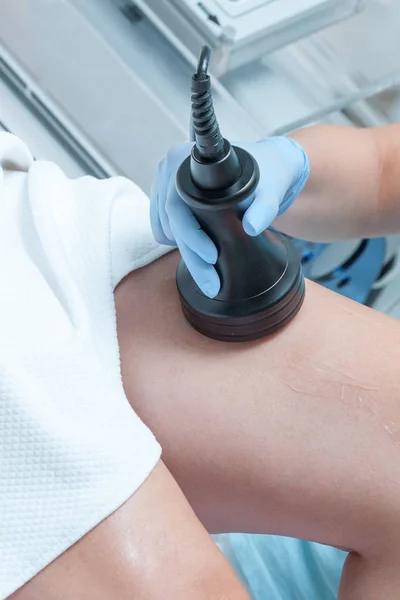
(262, 283)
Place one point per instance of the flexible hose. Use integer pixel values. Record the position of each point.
(205, 128)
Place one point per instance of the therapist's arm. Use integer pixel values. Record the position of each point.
(152, 548)
(354, 185)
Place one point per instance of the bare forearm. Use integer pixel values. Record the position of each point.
(152, 548)
(354, 186)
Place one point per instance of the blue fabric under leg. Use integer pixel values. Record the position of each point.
(279, 568)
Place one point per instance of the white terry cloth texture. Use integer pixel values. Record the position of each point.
(71, 448)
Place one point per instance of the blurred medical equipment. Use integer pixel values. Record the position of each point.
(241, 31)
(351, 268)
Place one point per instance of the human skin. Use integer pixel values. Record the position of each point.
(295, 435)
(354, 186)
(152, 548)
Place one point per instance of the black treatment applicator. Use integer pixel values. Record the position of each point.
(262, 283)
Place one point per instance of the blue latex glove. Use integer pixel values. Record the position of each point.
(284, 169)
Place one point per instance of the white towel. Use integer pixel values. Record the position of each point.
(71, 448)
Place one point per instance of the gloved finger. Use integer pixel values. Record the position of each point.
(185, 226)
(263, 210)
(203, 273)
(169, 167)
(155, 221)
(284, 171)
(168, 181)
(156, 226)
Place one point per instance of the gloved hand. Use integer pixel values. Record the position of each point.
(71, 448)
(284, 169)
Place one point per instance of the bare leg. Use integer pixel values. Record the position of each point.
(295, 435)
(152, 548)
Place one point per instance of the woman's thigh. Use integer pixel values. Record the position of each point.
(297, 434)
